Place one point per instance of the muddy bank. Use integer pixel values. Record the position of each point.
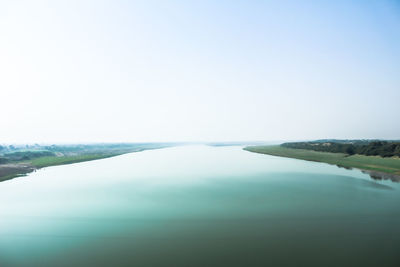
(8, 171)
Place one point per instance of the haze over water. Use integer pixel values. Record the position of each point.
(199, 206)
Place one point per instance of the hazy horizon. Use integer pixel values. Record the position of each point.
(190, 143)
(152, 71)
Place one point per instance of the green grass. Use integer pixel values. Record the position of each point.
(11, 176)
(371, 163)
(20, 162)
(54, 160)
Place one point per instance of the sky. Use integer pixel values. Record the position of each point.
(160, 71)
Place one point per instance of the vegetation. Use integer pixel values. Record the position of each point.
(370, 163)
(17, 160)
(53, 161)
(24, 155)
(351, 147)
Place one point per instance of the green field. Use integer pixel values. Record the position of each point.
(19, 160)
(22, 168)
(53, 160)
(370, 163)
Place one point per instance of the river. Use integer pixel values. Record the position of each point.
(199, 206)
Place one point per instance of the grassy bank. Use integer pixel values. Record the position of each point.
(19, 161)
(53, 161)
(10, 171)
(369, 163)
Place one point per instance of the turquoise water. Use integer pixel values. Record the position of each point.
(199, 206)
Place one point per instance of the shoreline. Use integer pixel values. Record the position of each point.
(376, 168)
(382, 175)
(15, 170)
(10, 171)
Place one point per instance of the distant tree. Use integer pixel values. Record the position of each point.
(350, 150)
(363, 147)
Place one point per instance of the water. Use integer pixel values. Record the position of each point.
(199, 206)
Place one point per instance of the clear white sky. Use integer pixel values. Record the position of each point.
(94, 71)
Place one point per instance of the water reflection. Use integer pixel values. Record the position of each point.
(379, 176)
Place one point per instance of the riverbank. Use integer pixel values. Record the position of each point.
(10, 171)
(377, 167)
(17, 164)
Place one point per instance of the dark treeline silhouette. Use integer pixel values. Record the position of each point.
(351, 147)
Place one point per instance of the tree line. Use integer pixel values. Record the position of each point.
(369, 148)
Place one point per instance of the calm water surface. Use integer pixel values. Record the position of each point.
(199, 206)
